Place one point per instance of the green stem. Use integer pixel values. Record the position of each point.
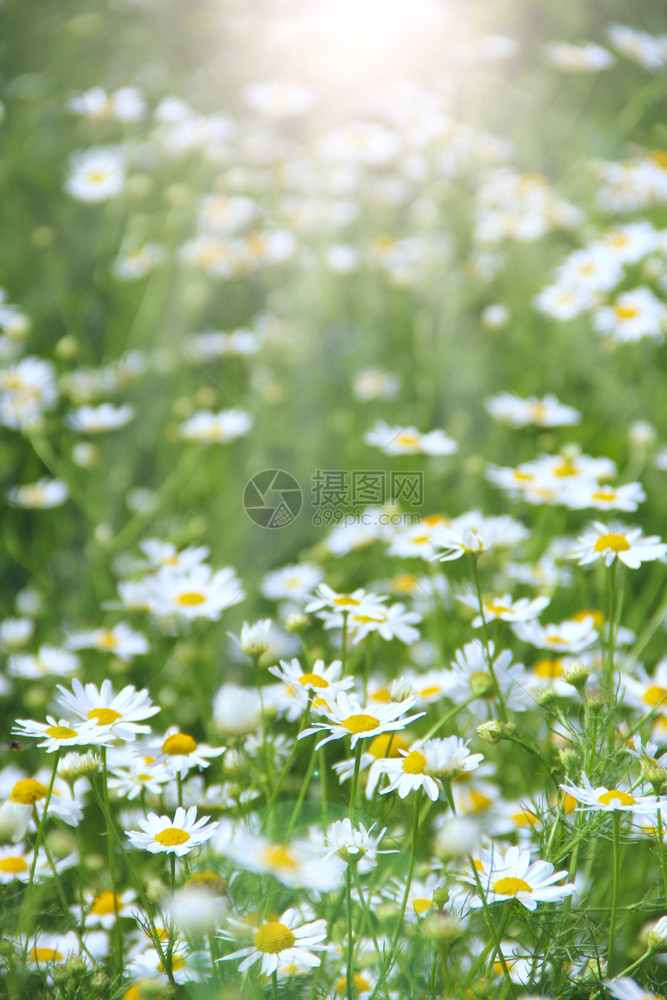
(118, 938)
(170, 943)
(349, 976)
(404, 902)
(371, 930)
(38, 841)
(491, 925)
(485, 643)
(661, 853)
(286, 768)
(611, 624)
(616, 825)
(355, 782)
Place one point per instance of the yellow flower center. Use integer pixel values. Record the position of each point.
(273, 938)
(177, 962)
(190, 598)
(408, 440)
(479, 801)
(106, 639)
(27, 791)
(594, 613)
(414, 763)
(96, 176)
(45, 955)
(569, 803)
(104, 716)
(172, 836)
(179, 743)
(525, 476)
(278, 856)
(551, 669)
(387, 745)
(381, 694)
(497, 609)
(525, 818)
(617, 543)
(510, 886)
(614, 795)
(314, 679)
(60, 732)
(360, 985)
(13, 864)
(421, 905)
(565, 468)
(429, 691)
(625, 312)
(405, 583)
(605, 494)
(360, 723)
(653, 694)
(365, 619)
(104, 904)
(659, 156)
(344, 600)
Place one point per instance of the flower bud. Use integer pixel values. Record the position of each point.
(482, 685)
(442, 929)
(577, 675)
(490, 732)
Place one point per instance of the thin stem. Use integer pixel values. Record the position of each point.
(118, 939)
(611, 624)
(616, 826)
(485, 642)
(288, 764)
(661, 853)
(411, 868)
(38, 841)
(343, 647)
(371, 929)
(349, 976)
(172, 937)
(355, 782)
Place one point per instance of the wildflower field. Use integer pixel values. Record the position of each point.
(333, 409)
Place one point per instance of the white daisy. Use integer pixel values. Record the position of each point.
(570, 636)
(42, 495)
(216, 427)
(179, 752)
(120, 639)
(299, 686)
(161, 834)
(626, 988)
(628, 545)
(613, 799)
(508, 408)
(400, 440)
(634, 314)
(97, 419)
(16, 861)
(510, 875)
(121, 714)
(354, 845)
(199, 593)
(49, 661)
(56, 734)
(424, 766)
(96, 174)
(347, 717)
(294, 582)
(283, 940)
(504, 608)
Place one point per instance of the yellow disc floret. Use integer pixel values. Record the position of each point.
(273, 938)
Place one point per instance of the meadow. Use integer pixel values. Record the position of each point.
(333, 447)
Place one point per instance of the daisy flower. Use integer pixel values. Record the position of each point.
(140, 775)
(97, 419)
(613, 799)
(42, 495)
(604, 497)
(121, 714)
(199, 593)
(216, 427)
(283, 940)
(347, 717)
(100, 909)
(512, 876)
(354, 845)
(635, 314)
(187, 966)
(294, 582)
(96, 174)
(546, 412)
(504, 608)
(470, 675)
(394, 622)
(299, 685)
(570, 636)
(299, 864)
(425, 765)
(120, 640)
(16, 861)
(626, 988)
(331, 600)
(373, 383)
(161, 834)
(62, 733)
(49, 661)
(628, 545)
(160, 553)
(399, 440)
(644, 692)
(179, 752)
